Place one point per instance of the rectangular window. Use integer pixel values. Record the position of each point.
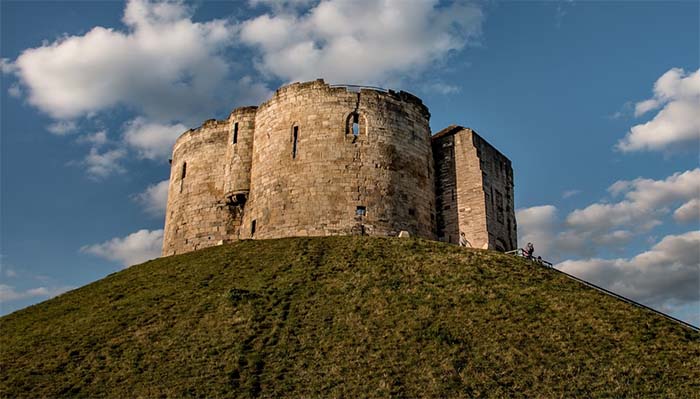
(235, 133)
(411, 212)
(355, 125)
(361, 211)
(295, 138)
(252, 228)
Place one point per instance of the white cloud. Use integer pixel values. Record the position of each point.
(644, 201)
(570, 193)
(165, 66)
(172, 72)
(166, 69)
(97, 139)
(14, 91)
(154, 198)
(9, 293)
(360, 41)
(7, 66)
(441, 88)
(135, 248)
(610, 226)
(152, 140)
(688, 212)
(281, 5)
(676, 123)
(61, 128)
(667, 274)
(645, 106)
(537, 225)
(100, 165)
(541, 225)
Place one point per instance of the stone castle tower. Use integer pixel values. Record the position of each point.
(318, 160)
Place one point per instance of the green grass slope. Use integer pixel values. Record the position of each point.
(343, 317)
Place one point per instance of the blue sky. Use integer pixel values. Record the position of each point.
(596, 104)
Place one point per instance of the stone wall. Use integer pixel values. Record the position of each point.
(319, 160)
(447, 227)
(314, 174)
(474, 190)
(239, 150)
(197, 215)
(497, 174)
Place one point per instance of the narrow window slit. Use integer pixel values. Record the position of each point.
(182, 175)
(295, 138)
(235, 133)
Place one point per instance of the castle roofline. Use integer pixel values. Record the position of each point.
(453, 129)
(245, 108)
(448, 131)
(401, 95)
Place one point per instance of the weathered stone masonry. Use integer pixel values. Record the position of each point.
(320, 160)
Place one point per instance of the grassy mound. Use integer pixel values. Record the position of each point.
(343, 317)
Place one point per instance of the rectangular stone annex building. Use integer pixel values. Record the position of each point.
(319, 159)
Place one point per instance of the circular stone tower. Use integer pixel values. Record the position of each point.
(333, 161)
(209, 183)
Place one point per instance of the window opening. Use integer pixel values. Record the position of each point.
(252, 227)
(184, 169)
(361, 210)
(355, 125)
(235, 133)
(411, 211)
(352, 126)
(295, 137)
